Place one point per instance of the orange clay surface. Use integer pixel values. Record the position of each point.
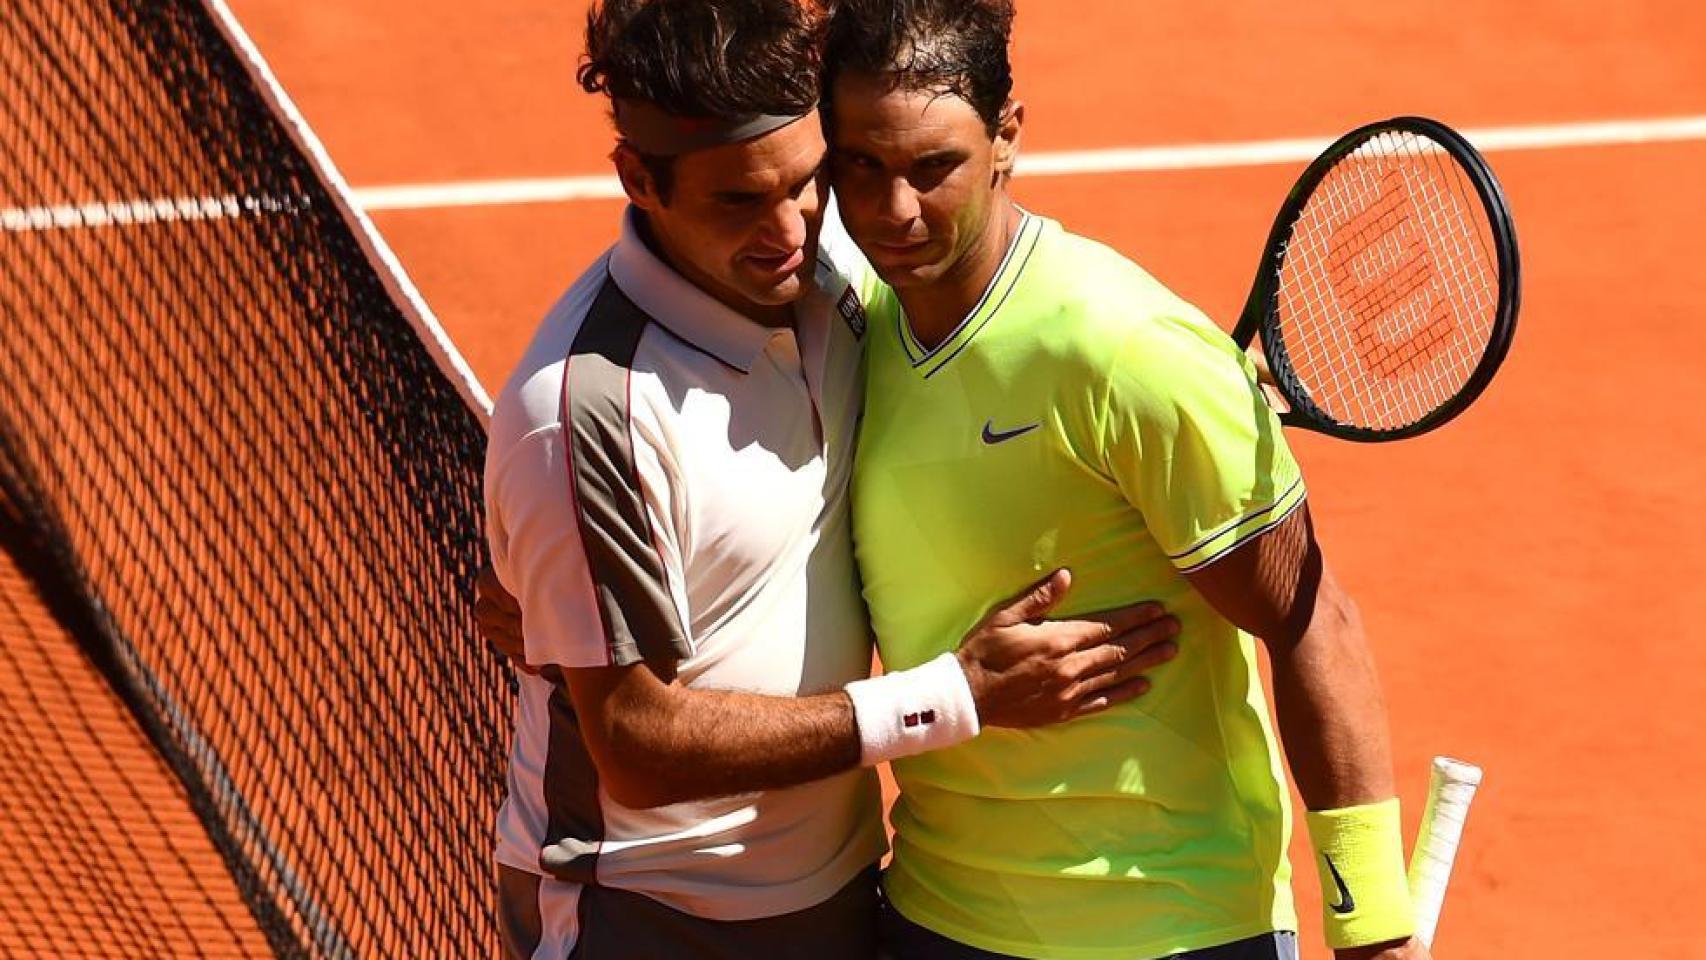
(1528, 575)
(90, 807)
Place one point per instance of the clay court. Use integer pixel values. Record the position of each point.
(1527, 574)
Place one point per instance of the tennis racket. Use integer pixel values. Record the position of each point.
(1388, 293)
(1451, 788)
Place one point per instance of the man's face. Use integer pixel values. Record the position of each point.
(916, 175)
(742, 220)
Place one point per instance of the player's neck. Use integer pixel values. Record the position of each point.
(935, 310)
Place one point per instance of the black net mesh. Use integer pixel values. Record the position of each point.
(105, 856)
(245, 488)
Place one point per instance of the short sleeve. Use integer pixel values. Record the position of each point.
(1192, 443)
(578, 518)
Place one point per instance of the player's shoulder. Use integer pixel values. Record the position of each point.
(1113, 311)
(531, 399)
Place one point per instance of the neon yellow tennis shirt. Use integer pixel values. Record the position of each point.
(1082, 416)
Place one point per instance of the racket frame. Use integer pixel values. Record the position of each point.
(1262, 305)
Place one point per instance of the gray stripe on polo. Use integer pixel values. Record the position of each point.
(638, 611)
(636, 607)
(574, 818)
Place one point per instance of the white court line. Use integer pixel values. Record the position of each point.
(479, 193)
(475, 193)
(157, 210)
(397, 283)
(1207, 156)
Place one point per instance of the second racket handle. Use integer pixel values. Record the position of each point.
(1451, 789)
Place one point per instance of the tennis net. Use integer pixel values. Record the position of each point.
(241, 466)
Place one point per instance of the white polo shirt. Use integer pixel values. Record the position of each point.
(666, 482)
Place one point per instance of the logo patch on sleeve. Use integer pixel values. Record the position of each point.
(853, 312)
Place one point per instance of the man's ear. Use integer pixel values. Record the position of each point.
(1007, 133)
(637, 181)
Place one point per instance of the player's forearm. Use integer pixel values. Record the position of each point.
(667, 743)
(713, 743)
(656, 742)
(1330, 710)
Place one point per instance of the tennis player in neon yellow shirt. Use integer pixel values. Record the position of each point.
(1036, 401)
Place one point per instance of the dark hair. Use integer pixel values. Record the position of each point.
(956, 47)
(710, 59)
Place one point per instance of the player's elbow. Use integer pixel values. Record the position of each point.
(635, 792)
(1338, 616)
(635, 763)
(635, 785)
(630, 722)
(1332, 619)
(1336, 620)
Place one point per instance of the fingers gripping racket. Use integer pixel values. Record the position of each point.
(1388, 293)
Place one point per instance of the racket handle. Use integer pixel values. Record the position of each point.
(1451, 788)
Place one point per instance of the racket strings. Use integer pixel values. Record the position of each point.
(1393, 299)
(1470, 272)
(1361, 248)
(1379, 272)
(1388, 283)
(1388, 290)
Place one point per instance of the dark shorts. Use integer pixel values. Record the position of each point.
(621, 925)
(905, 940)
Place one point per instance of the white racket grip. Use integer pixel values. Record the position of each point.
(1451, 788)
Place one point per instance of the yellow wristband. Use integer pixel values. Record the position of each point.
(1359, 855)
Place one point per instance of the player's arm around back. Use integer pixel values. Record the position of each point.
(656, 741)
(1327, 694)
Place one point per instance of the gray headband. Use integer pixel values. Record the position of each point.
(653, 131)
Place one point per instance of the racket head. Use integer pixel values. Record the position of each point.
(1389, 288)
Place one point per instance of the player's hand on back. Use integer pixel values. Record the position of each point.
(498, 616)
(1025, 671)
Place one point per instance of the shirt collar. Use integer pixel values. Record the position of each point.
(689, 312)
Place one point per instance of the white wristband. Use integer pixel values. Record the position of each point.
(913, 711)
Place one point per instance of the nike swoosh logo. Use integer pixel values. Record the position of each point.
(1346, 903)
(993, 436)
